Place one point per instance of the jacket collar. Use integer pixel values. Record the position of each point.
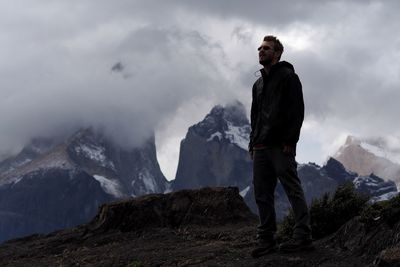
(275, 67)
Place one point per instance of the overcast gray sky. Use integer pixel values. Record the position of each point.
(179, 58)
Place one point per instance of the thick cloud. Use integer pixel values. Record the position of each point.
(60, 91)
(132, 67)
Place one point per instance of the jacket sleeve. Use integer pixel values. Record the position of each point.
(253, 116)
(294, 105)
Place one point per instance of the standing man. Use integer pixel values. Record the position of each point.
(277, 114)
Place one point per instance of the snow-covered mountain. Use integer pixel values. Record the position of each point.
(87, 166)
(129, 172)
(366, 156)
(214, 153)
(376, 187)
(121, 172)
(34, 149)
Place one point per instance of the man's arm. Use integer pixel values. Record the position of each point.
(294, 106)
(253, 118)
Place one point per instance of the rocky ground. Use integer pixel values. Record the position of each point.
(207, 227)
(190, 246)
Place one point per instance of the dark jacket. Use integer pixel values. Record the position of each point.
(277, 109)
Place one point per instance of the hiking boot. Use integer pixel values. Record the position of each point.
(294, 245)
(264, 247)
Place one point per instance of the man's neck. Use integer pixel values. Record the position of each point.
(268, 67)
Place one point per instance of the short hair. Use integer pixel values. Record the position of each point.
(278, 47)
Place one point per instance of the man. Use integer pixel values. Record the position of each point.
(277, 114)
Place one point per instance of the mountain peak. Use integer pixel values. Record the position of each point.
(214, 151)
(225, 123)
(234, 112)
(370, 155)
(352, 140)
(335, 169)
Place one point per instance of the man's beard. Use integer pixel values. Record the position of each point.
(265, 61)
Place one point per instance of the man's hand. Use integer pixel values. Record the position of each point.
(251, 153)
(289, 150)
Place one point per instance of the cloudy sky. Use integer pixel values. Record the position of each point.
(134, 66)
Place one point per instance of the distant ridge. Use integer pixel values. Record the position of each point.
(366, 156)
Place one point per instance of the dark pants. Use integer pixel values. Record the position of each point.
(268, 165)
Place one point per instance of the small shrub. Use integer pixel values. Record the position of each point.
(285, 228)
(371, 215)
(328, 213)
(391, 214)
(320, 211)
(387, 211)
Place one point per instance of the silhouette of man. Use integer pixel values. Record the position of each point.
(277, 114)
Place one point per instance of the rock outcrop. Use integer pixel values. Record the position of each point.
(375, 238)
(206, 207)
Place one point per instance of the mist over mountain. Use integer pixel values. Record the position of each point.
(51, 185)
(370, 155)
(128, 88)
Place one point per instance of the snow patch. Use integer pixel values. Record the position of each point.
(148, 181)
(56, 160)
(386, 188)
(244, 192)
(371, 184)
(239, 135)
(217, 134)
(15, 180)
(23, 162)
(111, 187)
(168, 188)
(95, 153)
(383, 197)
(365, 180)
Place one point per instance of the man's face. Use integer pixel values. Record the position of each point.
(266, 53)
